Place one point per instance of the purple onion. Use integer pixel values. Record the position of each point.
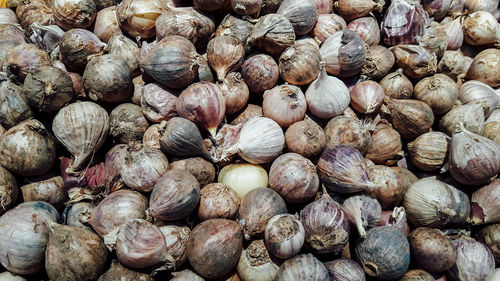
(345, 270)
(474, 261)
(437, 8)
(394, 31)
(326, 225)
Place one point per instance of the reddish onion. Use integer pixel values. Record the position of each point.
(138, 17)
(367, 28)
(403, 22)
(484, 207)
(77, 45)
(235, 92)
(218, 201)
(367, 97)
(158, 103)
(474, 261)
(431, 249)
(257, 67)
(285, 104)
(106, 23)
(326, 25)
(345, 270)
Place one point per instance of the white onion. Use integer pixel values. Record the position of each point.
(243, 177)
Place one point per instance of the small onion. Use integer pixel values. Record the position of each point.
(74, 14)
(294, 177)
(8, 190)
(237, 27)
(301, 13)
(397, 86)
(181, 137)
(403, 22)
(367, 97)
(471, 115)
(172, 61)
(367, 28)
(235, 91)
(243, 177)
(284, 236)
(138, 17)
(349, 131)
(117, 208)
(127, 123)
(218, 201)
(28, 149)
(389, 191)
(225, 54)
(256, 264)
(285, 104)
(454, 64)
(345, 269)
(483, 204)
(174, 196)
(74, 247)
(204, 104)
(490, 236)
(481, 28)
(474, 261)
(344, 53)
(429, 151)
(305, 138)
(432, 250)
(49, 190)
(158, 103)
(302, 267)
(483, 67)
(343, 169)
(385, 146)
(326, 225)
(326, 26)
(77, 45)
(25, 236)
(260, 73)
(257, 208)
(299, 63)
(25, 58)
(474, 91)
(106, 23)
(410, 118)
(118, 271)
(440, 92)
(379, 61)
(363, 211)
(214, 246)
(416, 61)
(273, 33)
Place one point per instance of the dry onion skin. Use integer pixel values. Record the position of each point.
(8, 190)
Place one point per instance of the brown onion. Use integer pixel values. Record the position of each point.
(305, 138)
(81, 251)
(172, 61)
(410, 118)
(484, 208)
(403, 22)
(8, 190)
(106, 23)
(454, 64)
(367, 97)
(347, 130)
(344, 53)
(174, 196)
(367, 28)
(225, 54)
(28, 149)
(483, 67)
(260, 73)
(256, 264)
(474, 261)
(186, 22)
(471, 115)
(379, 61)
(362, 211)
(77, 45)
(74, 13)
(49, 190)
(138, 17)
(385, 146)
(397, 86)
(235, 91)
(302, 267)
(257, 207)
(14, 107)
(326, 225)
(24, 59)
(214, 247)
(218, 201)
(127, 123)
(285, 104)
(327, 25)
(246, 7)
(299, 63)
(389, 191)
(181, 137)
(117, 208)
(301, 13)
(120, 45)
(284, 236)
(429, 151)
(431, 249)
(294, 177)
(237, 27)
(345, 269)
(440, 92)
(474, 91)
(273, 33)
(200, 168)
(416, 61)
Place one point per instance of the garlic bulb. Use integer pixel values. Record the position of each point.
(76, 47)
(379, 61)
(367, 97)
(416, 61)
(49, 190)
(343, 53)
(284, 236)
(82, 128)
(327, 96)
(455, 34)
(396, 85)
(363, 211)
(351, 10)
(481, 28)
(474, 159)
(181, 137)
(403, 22)
(385, 146)
(434, 39)
(257, 66)
(70, 14)
(305, 138)
(301, 13)
(14, 107)
(302, 267)
(106, 23)
(471, 115)
(367, 28)
(440, 92)
(410, 118)
(484, 207)
(429, 151)
(481, 5)
(347, 130)
(326, 25)
(285, 104)
(237, 27)
(454, 64)
(474, 261)
(256, 264)
(388, 191)
(474, 91)
(299, 63)
(430, 203)
(484, 67)
(225, 54)
(273, 33)
(122, 46)
(158, 104)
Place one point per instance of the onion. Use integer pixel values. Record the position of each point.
(343, 169)
(28, 149)
(396, 85)
(218, 201)
(440, 92)
(8, 190)
(302, 267)
(285, 104)
(243, 177)
(214, 247)
(77, 45)
(138, 17)
(158, 103)
(481, 28)
(483, 67)
(367, 97)
(172, 61)
(82, 128)
(490, 236)
(257, 208)
(181, 137)
(120, 45)
(429, 151)
(294, 177)
(49, 190)
(411, 118)
(256, 264)
(345, 269)
(385, 146)
(255, 68)
(385, 252)
(204, 104)
(367, 28)
(127, 123)
(70, 14)
(326, 225)
(174, 196)
(225, 54)
(326, 26)
(379, 61)
(299, 64)
(273, 33)
(344, 53)
(81, 251)
(474, 261)
(118, 271)
(484, 208)
(24, 236)
(403, 22)
(25, 58)
(116, 209)
(432, 250)
(362, 211)
(14, 107)
(284, 236)
(474, 91)
(305, 138)
(106, 23)
(344, 130)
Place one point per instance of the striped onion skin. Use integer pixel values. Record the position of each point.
(404, 22)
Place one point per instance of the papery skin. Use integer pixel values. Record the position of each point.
(284, 236)
(345, 269)
(484, 204)
(301, 13)
(326, 25)
(273, 33)
(344, 53)
(327, 96)
(285, 104)
(302, 267)
(225, 54)
(403, 22)
(474, 261)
